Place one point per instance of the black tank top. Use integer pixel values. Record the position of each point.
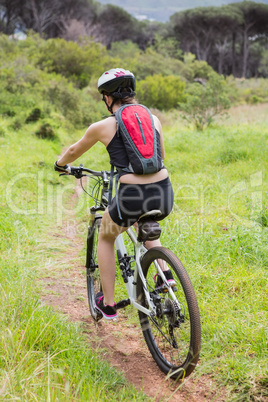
(118, 154)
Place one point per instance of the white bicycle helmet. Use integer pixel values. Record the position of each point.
(112, 81)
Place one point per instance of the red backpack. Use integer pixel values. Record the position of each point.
(135, 125)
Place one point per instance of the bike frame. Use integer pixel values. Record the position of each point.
(132, 280)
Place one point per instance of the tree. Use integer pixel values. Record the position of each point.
(149, 32)
(253, 25)
(263, 64)
(76, 19)
(222, 35)
(197, 29)
(168, 47)
(206, 29)
(47, 17)
(114, 24)
(43, 14)
(9, 16)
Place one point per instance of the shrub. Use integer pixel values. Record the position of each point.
(195, 68)
(251, 91)
(204, 102)
(124, 49)
(161, 92)
(149, 62)
(16, 124)
(34, 115)
(10, 113)
(46, 132)
(77, 62)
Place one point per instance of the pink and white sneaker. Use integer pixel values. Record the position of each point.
(108, 312)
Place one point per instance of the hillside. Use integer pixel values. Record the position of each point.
(161, 10)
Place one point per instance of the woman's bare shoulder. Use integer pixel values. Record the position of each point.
(103, 130)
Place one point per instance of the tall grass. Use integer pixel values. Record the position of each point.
(219, 230)
(43, 356)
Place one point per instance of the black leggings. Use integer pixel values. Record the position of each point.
(136, 199)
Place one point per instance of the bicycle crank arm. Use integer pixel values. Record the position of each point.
(122, 304)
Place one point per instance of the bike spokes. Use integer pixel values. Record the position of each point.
(173, 333)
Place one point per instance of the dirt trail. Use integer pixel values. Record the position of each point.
(121, 343)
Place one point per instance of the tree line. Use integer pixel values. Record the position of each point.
(233, 38)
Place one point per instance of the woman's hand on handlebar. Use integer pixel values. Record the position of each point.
(63, 169)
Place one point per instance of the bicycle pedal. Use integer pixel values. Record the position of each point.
(166, 289)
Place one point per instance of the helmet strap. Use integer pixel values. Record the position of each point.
(110, 108)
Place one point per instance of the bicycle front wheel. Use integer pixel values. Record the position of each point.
(93, 275)
(173, 334)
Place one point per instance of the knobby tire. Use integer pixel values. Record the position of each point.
(173, 336)
(93, 275)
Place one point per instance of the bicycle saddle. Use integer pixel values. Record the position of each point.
(149, 229)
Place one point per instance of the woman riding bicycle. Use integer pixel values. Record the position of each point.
(137, 194)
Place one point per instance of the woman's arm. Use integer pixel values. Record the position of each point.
(90, 138)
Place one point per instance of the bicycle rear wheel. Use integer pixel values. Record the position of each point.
(93, 275)
(173, 335)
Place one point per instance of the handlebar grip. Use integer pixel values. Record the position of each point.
(65, 169)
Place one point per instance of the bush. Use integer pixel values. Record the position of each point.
(195, 68)
(124, 49)
(10, 113)
(34, 115)
(77, 62)
(204, 102)
(161, 92)
(46, 132)
(251, 91)
(150, 62)
(16, 125)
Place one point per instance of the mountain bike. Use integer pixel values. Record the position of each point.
(169, 316)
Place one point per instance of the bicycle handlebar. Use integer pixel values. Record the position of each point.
(99, 193)
(78, 172)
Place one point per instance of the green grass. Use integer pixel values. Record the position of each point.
(218, 229)
(220, 233)
(43, 356)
